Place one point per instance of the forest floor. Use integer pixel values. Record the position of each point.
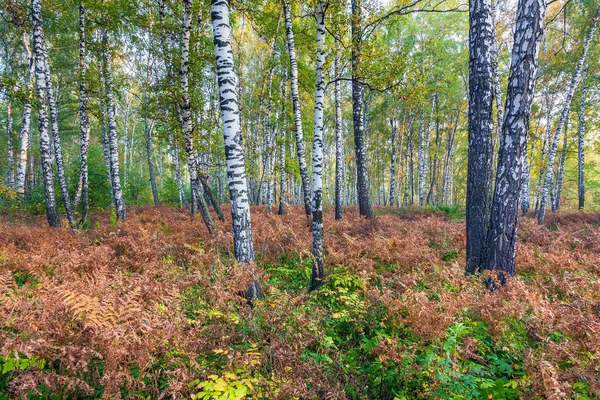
(150, 309)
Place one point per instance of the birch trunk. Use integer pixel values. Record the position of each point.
(446, 178)
(296, 106)
(565, 112)
(111, 135)
(40, 79)
(282, 136)
(339, 138)
(392, 162)
(544, 149)
(24, 135)
(581, 144)
(58, 156)
(318, 272)
(234, 151)
(479, 173)
(10, 173)
(148, 135)
(502, 238)
(561, 168)
(186, 120)
(362, 177)
(84, 121)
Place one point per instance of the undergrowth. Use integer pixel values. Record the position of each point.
(149, 309)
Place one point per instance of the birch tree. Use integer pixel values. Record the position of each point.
(548, 180)
(581, 143)
(339, 138)
(479, 171)
(111, 133)
(84, 120)
(56, 143)
(392, 162)
(186, 120)
(502, 238)
(40, 80)
(318, 273)
(296, 107)
(360, 149)
(10, 172)
(24, 135)
(234, 151)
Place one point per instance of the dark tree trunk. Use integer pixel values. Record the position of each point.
(362, 177)
(479, 174)
(502, 238)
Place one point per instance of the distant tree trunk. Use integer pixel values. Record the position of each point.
(40, 78)
(58, 157)
(561, 168)
(408, 162)
(581, 144)
(424, 138)
(84, 120)
(411, 171)
(25, 134)
(234, 152)
(282, 136)
(318, 272)
(502, 238)
(186, 119)
(362, 177)
(148, 134)
(210, 196)
(296, 105)
(565, 112)
(479, 174)
(177, 166)
(10, 173)
(545, 144)
(434, 163)
(339, 135)
(526, 182)
(446, 178)
(115, 177)
(392, 162)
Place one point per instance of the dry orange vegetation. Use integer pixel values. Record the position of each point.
(107, 305)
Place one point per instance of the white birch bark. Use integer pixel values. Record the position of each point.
(10, 172)
(318, 272)
(296, 107)
(566, 108)
(111, 135)
(45, 144)
(581, 144)
(24, 135)
(234, 151)
(339, 138)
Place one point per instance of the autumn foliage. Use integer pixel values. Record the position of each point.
(150, 308)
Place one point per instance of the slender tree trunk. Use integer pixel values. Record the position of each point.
(502, 238)
(392, 162)
(282, 140)
(45, 144)
(148, 135)
(339, 135)
(84, 120)
(55, 138)
(234, 152)
(424, 137)
(115, 177)
(561, 168)
(545, 144)
(362, 177)
(565, 112)
(497, 91)
(526, 182)
(434, 162)
(318, 272)
(25, 134)
(210, 196)
(296, 105)
(186, 118)
(479, 174)
(446, 178)
(581, 144)
(10, 173)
